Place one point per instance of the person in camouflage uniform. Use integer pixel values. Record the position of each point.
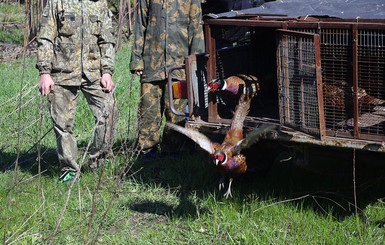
(164, 33)
(76, 51)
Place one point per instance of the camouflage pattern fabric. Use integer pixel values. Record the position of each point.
(62, 108)
(76, 45)
(75, 37)
(165, 31)
(155, 102)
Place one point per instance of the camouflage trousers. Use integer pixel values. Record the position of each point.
(62, 103)
(154, 104)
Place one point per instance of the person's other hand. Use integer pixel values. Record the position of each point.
(139, 72)
(107, 83)
(46, 84)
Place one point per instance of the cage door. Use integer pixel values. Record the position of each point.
(300, 82)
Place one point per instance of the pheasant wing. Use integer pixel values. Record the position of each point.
(196, 136)
(252, 138)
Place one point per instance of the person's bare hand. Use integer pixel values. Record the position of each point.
(107, 83)
(46, 84)
(139, 72)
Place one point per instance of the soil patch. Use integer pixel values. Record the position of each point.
(10, 51)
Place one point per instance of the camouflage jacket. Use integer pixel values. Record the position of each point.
(165, 32)
(76, 37)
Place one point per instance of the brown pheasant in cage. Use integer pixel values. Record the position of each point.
(342, 97)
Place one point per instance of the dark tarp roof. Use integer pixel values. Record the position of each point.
(346, 9)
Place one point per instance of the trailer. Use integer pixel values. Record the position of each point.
(320, 64)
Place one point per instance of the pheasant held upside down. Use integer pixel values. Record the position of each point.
(226, 158)
(236, 85)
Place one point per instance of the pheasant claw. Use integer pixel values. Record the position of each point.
(228, 192)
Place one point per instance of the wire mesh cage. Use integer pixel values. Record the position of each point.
(298, 82)
(371, 82)
(347, 57)
(328, 74)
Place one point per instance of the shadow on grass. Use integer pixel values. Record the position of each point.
(186, 208)
(187, 173)
(325, 185)
(28, 161)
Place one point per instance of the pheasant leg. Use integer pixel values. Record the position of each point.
(228, 192)
(221, 182)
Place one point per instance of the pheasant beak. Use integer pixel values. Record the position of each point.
(216, 162)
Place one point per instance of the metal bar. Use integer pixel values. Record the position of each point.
(296, 33)
(250, 15)
(287, 134)
(355, 79)
(282, 101)
(329, 141)
(321, 111)
(286, 82)
(279, 77)
(211, 73)
(301, 83)
(372, 137)
(190, 94)
(170, 94)
(319, 23)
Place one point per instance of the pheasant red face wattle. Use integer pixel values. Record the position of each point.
(219, 158)
(214, 85)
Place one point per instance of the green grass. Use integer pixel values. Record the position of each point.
(12, 12)
(12, 18)
(12, 36)
(174, 200)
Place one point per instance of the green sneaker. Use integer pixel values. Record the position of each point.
(67, 177)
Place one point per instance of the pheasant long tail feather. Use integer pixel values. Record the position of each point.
(241, 112)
